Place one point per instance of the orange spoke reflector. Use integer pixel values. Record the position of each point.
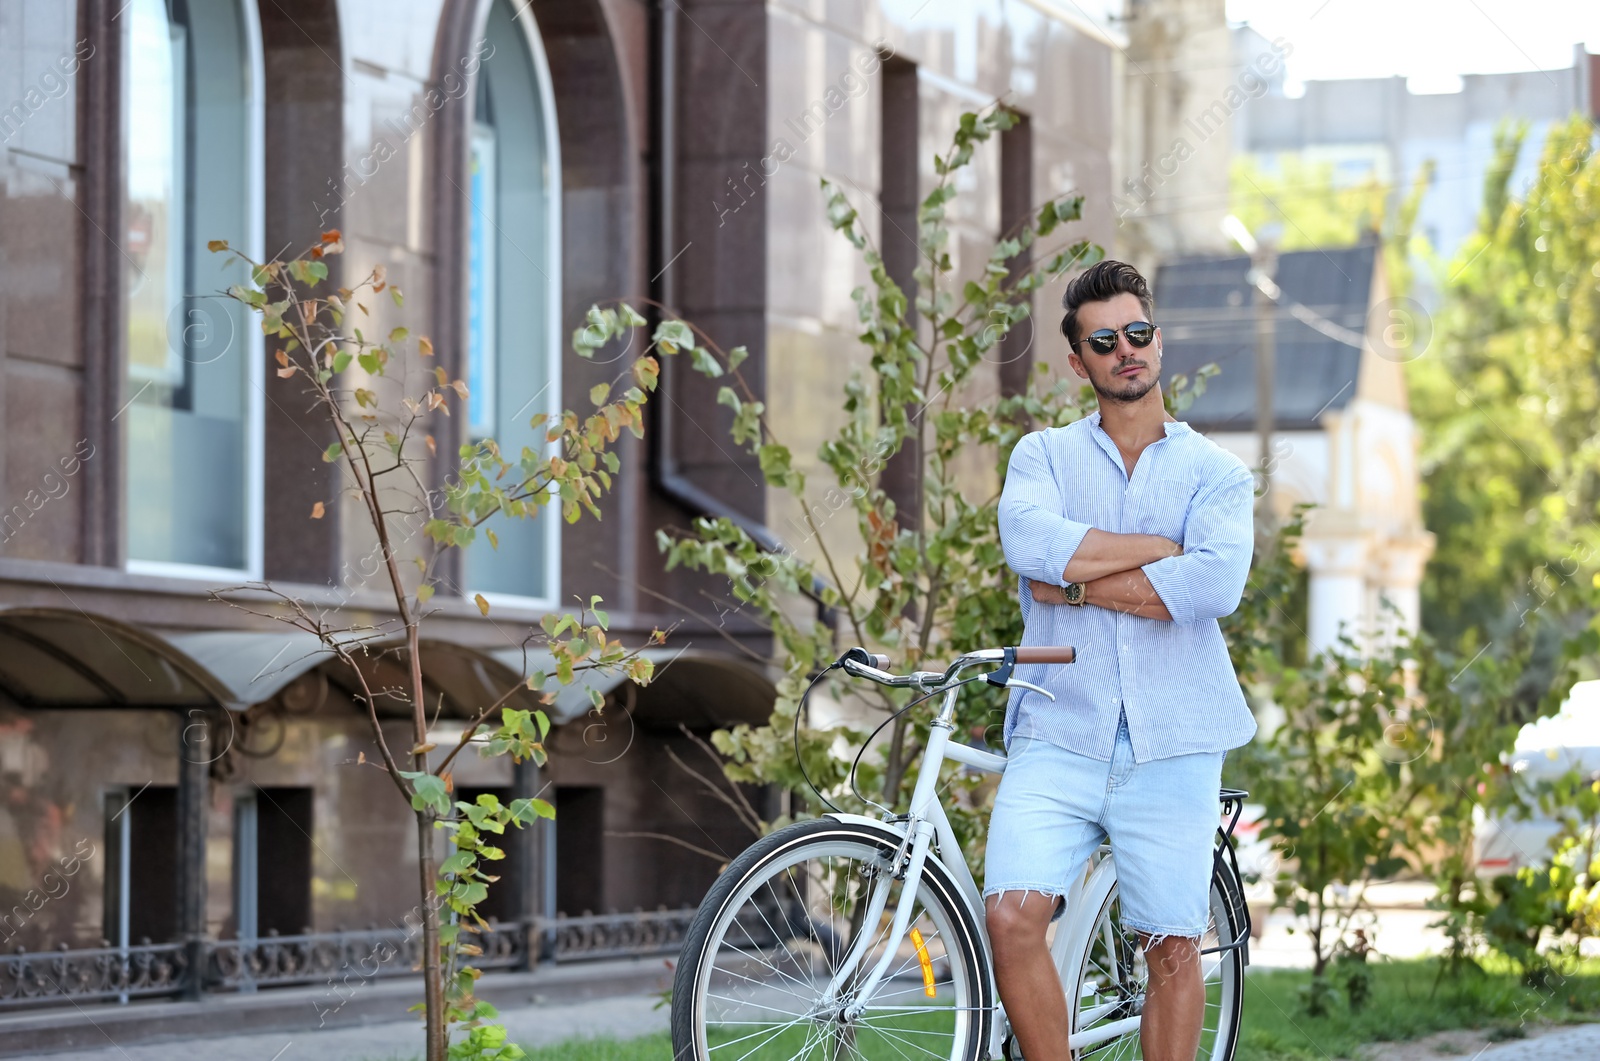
(927, 962)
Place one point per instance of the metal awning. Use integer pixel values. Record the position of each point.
(696, 687)
(62, 658)
(54, 657)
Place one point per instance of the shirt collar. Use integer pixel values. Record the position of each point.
(1169, 428)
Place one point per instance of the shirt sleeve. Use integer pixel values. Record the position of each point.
(1037, 538)
(1207, 581)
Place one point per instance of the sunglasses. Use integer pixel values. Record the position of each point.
(1140, 334)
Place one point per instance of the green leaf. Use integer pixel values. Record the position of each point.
(704, 363)
(398, 335)
(331, 454)
(672, 336)
(471, 893)
(459, 862)
(341, 361)
(525, 810)
(599, 393)
(428, 791)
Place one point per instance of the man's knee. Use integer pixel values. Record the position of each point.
(1168, 956)
(1017, 920)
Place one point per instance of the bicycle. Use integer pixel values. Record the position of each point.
(848, 936)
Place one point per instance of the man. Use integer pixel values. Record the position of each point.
(1131, 535)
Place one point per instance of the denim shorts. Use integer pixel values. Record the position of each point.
(1055, 807)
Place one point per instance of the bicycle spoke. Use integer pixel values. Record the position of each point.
(786, 935)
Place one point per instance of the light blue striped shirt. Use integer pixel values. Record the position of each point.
(1173, 679)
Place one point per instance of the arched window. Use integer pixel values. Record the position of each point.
(513, 285)
(193, 132)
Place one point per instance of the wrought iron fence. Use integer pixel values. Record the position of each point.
(148, 970)
(368, 954)
(642, 933)
(30, 979)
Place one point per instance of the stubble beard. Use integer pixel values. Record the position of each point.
(1127, 397)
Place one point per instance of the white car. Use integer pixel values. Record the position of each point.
(1545, 750)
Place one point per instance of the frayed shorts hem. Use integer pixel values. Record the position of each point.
(1055, 891)
(1055, 894)
(1159, 933)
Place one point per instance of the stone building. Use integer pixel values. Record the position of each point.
(509, 164)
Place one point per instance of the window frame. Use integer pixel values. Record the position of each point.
(534, 42)
(252, 342)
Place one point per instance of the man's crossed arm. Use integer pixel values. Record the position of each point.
(1110, 567)
(1138, 574)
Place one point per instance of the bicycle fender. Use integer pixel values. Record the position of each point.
(889, 831)
(1080, 914)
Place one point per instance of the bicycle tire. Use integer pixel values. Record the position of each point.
(1106, 949)
(939, 895)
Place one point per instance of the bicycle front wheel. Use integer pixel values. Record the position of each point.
(753, 982)
(1107, 978)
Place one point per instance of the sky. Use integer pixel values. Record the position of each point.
(1430, 41)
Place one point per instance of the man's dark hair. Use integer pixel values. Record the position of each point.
(1102, 282)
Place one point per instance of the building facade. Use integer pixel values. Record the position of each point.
(1379, 129)
(183, 808)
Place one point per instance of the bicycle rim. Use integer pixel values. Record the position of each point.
(760, 986)
(1112, 978)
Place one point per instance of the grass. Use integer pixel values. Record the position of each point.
(1408, 1000)
(656, 1047)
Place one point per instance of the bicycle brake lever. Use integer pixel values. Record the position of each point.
(1031, 688)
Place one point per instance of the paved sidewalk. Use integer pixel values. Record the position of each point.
(1566, 1044)
(1544, 1043)
(624, 1017)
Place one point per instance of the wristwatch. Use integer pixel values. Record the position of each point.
(1073, 592)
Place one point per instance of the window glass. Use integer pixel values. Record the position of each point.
(190, 149)
(510, 357)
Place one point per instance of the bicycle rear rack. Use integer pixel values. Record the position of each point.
(1233, 805)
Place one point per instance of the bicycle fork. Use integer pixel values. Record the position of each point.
(919, 838)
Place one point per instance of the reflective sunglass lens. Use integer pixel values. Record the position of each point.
(1140, 334)
(1103, 342)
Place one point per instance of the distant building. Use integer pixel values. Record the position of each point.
(1343, 438)
(1380, 128)
(1181, 90)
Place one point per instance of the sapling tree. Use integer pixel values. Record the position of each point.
(379, 394)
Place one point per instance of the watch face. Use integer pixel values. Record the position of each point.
(1074, 592)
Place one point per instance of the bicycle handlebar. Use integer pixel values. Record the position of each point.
(1046, 654)
(863, 664)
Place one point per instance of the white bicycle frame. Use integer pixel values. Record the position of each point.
(926, 822)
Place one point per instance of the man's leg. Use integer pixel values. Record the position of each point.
(1029, 985)
(1162, 816)
(1043, 829)
(1175, 1005)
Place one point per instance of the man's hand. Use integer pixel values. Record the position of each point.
(1045, 593)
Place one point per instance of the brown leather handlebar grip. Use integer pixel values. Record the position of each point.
(1047, 654)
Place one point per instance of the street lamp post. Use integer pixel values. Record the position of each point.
(1265, 294)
